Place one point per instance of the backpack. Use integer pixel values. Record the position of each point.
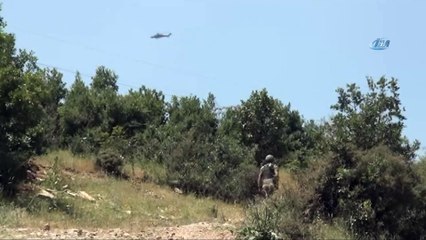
(271, 168)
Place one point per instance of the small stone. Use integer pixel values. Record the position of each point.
(177, 190)
(46, 227)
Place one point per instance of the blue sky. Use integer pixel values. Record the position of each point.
(300, 51)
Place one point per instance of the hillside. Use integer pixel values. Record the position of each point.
(70, 199)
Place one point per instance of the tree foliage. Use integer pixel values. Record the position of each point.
(370, 181)
(141, 109)
(22, 94)
(264, 123)
(370, 119)
(197, 158)
(104, 80)
(55, 95)
(77, 114)
(370, 189)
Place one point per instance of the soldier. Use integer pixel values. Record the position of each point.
(267, 180)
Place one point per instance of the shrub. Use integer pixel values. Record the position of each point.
(283, 216)
(373, 191)
(262, 221)
(219, 168)
(279, 217)
(110, 162)
(78, 146)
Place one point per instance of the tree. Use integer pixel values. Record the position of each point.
(106, 101)
(197, 158)
(138, 120)
(142, 109)
(370, 119)
(370, 181)
(77, 113)
(89, 115)
(269, 126)
(55, 94)
(22, 91)
(190, 113)
(230, 125)
(374, 190)
(104, 79)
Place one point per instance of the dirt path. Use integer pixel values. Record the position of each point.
(200, 230)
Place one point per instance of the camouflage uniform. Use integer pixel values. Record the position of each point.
(268, 176)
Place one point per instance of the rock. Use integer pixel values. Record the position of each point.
(86, 196)
(46, 227)
(91, 235)
(177, 190)
(31, 175)
(119, 233)
(45, 193)
(67, 191)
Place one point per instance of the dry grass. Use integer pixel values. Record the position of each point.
(68, 161)
(284, 211)
(287, 181)
(119, 203)
(130, 204)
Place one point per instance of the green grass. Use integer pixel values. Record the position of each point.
(11, 214)
(283, 214)
(334, 230)
(119, 203)
(130, 204)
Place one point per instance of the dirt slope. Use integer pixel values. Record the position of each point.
(200, 230)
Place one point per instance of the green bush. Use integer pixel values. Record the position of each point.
(374, 191)
(110, 162)
(78, 146)
(262, 221)
(284, 215)
(280, 217)
(22, 94)
(219, 168)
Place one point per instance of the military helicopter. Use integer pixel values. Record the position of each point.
(160, 35)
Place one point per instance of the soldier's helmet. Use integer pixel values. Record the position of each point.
(269, 158)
